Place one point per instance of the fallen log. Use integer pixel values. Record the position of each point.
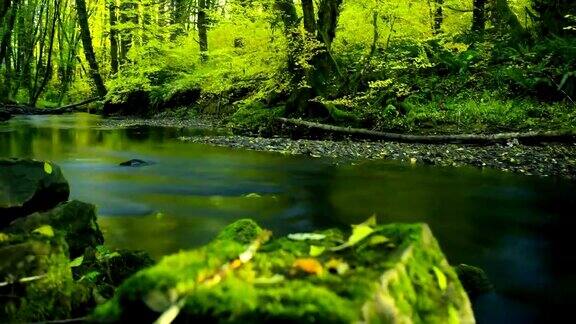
(533, 136)
(14, 109)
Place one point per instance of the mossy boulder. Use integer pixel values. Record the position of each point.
(75, 219)
(395, 274)
(28, 186)
(35, 278)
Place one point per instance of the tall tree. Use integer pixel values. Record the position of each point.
(113, 37)
(88, 48)
(202, 22)
(309, 16)
(322, 65)
(7, 19)
(479, 16)
(505, 20)
(438, 17)
(552, 16)
(40, 82)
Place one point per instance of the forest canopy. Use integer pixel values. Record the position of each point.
(353, 61)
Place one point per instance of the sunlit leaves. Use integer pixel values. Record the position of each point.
(440, 278)
(359, 233)
(306, 236)
(77, 262)
(44, 230)
(47, 168)
(316, 250)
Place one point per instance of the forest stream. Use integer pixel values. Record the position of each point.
(517, 228)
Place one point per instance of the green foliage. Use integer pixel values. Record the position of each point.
(254, 117)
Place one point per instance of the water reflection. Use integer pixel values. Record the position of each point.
(518, 229)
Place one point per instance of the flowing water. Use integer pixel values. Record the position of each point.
(518, 229)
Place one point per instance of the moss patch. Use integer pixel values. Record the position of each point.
(394, 273)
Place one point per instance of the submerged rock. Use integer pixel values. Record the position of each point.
(28, 186)
(135, 163)
(389, 274)
(76, 220)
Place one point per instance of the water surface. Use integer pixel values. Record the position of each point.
(519, 229)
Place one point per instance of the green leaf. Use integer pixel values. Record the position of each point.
(77, 262)
(441, 278)
(316, 250)
(90, 276)
(359, 233)
(378, 239)
(306, 237)
(47, 168)
(44, 230)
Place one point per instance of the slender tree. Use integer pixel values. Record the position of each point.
(202, 22)
(438, 17)
(479, 16)
(113, 37)
(88, 48)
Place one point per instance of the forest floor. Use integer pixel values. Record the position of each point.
(546, 159)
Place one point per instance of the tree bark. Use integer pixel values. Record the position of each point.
(127, 8)
(479, 16)
(328, 14)
(438, 17)
(7, 21)
(552, 16)
(113, 37)
(504, 18)
(551, 136)
(48, 70)
(202, 23)
(309, 16)
(289, 18)
(88, 48)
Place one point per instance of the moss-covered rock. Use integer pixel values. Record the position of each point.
(76, 219)
(387, 274)
(35, 278)
(28, 186)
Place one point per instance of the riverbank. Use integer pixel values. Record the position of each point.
(547, 159)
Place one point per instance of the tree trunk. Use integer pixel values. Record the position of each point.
(309, 16)
(552, 16)
(479, 16)
(438, 17)
(7, 22)
(48, 70)
(113, 37)
(289, 18)
(505, 20)
(202, 23)
(328, 14)
(88, 49)
(127, 8)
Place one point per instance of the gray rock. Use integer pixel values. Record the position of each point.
(28, 186)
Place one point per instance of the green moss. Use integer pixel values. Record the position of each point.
(47, 294)
(254, 117)
(391, 280)
(242, 231)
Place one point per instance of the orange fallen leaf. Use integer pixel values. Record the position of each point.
(309, 265)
